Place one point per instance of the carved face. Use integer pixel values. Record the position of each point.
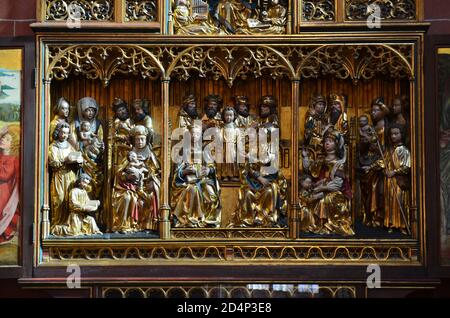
(228, 116)
(85, 126)
(397, 107)
(89, 113)
(191, 109)
(138, 110)
(63, 134)
(5, 142)
(396, 135)
(377, 113)
(84, 183)
(319, 107)
(336, 106)
(122, 113)
(132, 156)
(242, 109)
(265, 111)
(363, 121)
(329, 144)
(307, 184)
(140, 141)
(211, 108)
(63, 109)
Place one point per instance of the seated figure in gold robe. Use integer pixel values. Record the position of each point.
(195, 197)
(135, 199)
(186, 23)
(332, 212)
(262, 196)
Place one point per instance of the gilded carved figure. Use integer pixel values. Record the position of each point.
(64, 162)
(316, 123)
(92, 165)
(332, 212)
(229, 169)
(397, 168)
(243, 117)
(337, 115)
(61, 112)
(121, 131)
(225, 17)
(80, 221)
(262, 195)
(195, 198)
(188, 112)
(135, 199)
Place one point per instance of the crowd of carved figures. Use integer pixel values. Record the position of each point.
(82, 152)
(78, 157)
(196, 200)
(382, 168)
(77, 160)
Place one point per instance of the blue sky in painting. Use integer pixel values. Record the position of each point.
(8, 80)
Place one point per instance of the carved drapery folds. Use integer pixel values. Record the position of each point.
(358, 10)
(355, 62)
(141, 10)
(84, 10)
(319, 10)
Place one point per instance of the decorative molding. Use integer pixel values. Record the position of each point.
(101, 62)
(230, 253)
(324, 253)
(290, 290)
(355, 62)
(230, 233)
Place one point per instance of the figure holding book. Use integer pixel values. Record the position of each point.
(80, 222)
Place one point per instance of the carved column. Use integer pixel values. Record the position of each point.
(413, 208)
(45, 229)
(164, 223)
(294, 206)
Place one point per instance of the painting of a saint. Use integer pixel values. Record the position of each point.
(10, 138)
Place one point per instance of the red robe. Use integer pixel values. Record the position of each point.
(9, 179)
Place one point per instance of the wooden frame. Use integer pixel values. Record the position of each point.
(27, 166)
(144, 272)
(432, 119)
(415, 39)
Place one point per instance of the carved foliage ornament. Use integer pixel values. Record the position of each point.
(388, 9)
(87, 10)
(353, 62)
(356, 62)
(102, 62)
(141, 10)
(319, 10)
